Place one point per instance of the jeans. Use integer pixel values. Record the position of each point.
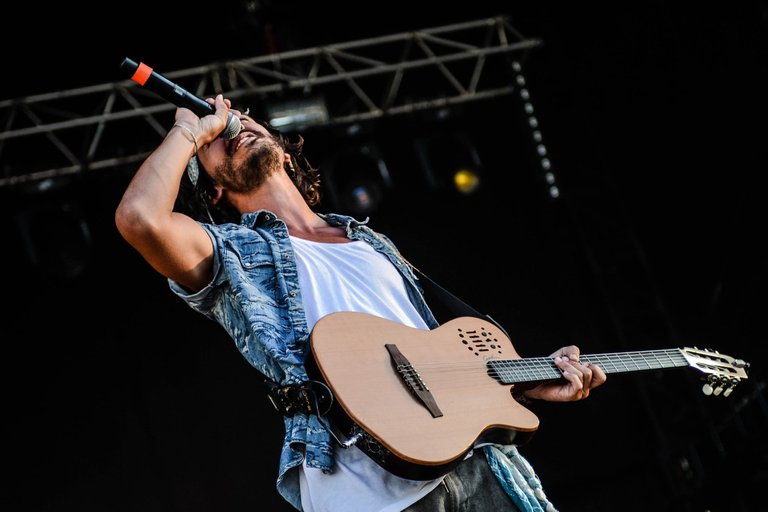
(470, 487)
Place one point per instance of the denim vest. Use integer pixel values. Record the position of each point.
(255, 296)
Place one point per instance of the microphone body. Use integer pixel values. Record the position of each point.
(160, 85)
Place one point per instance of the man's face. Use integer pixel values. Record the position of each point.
(244, 162)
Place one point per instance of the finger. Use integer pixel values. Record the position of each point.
(575, 383)
(572, 374)
(571, 364)
(222, 107)
(583, 380)
(586, 370)
(598, 375)
(559, 352)
(572, 352)
(586, 373)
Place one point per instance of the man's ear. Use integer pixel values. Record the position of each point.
(218, 193)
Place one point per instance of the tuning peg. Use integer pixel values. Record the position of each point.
(709, 388)
(718, 390)
(733, 382)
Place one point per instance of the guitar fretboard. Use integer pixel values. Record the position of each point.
(512, 371)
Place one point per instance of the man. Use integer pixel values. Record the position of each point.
(261, 262)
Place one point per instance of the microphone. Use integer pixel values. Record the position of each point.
(160, 85)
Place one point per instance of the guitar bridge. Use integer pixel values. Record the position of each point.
(413, 380)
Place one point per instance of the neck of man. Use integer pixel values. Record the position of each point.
(279, 195)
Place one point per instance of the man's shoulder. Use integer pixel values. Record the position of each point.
(234, 233)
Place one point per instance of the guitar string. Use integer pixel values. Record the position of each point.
(463, 373)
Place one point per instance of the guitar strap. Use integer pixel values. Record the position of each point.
(454, 305)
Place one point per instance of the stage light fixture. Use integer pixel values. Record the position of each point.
(362, 196)
(297, 114)
(450, 161)
(533, 124)
(466, 180)
(356, 179)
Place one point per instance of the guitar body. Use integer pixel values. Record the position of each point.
(460, 405)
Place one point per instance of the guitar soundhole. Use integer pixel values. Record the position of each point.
(480, 341)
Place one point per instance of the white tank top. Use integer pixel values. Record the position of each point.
(338, 277)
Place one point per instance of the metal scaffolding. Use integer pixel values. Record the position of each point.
(104, 126)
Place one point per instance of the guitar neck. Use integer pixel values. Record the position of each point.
(538, 369)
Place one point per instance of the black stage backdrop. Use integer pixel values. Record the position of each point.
(118, 397)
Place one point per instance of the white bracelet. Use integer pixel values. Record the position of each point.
(192, 139)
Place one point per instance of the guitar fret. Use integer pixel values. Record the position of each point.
(511, 371)
(525, 370)
(635, 361)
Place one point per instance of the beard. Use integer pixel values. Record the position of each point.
(252, 172)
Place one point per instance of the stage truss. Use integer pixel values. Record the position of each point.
(77, 131)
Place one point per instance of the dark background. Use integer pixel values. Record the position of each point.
(118, 397)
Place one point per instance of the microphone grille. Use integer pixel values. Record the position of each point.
(233, 127)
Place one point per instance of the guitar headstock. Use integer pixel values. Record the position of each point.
(721, 372)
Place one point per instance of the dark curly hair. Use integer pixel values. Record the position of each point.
(197, 187)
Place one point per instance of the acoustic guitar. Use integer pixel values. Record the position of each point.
(417, 401)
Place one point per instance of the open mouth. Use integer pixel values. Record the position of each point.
(244, 137)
